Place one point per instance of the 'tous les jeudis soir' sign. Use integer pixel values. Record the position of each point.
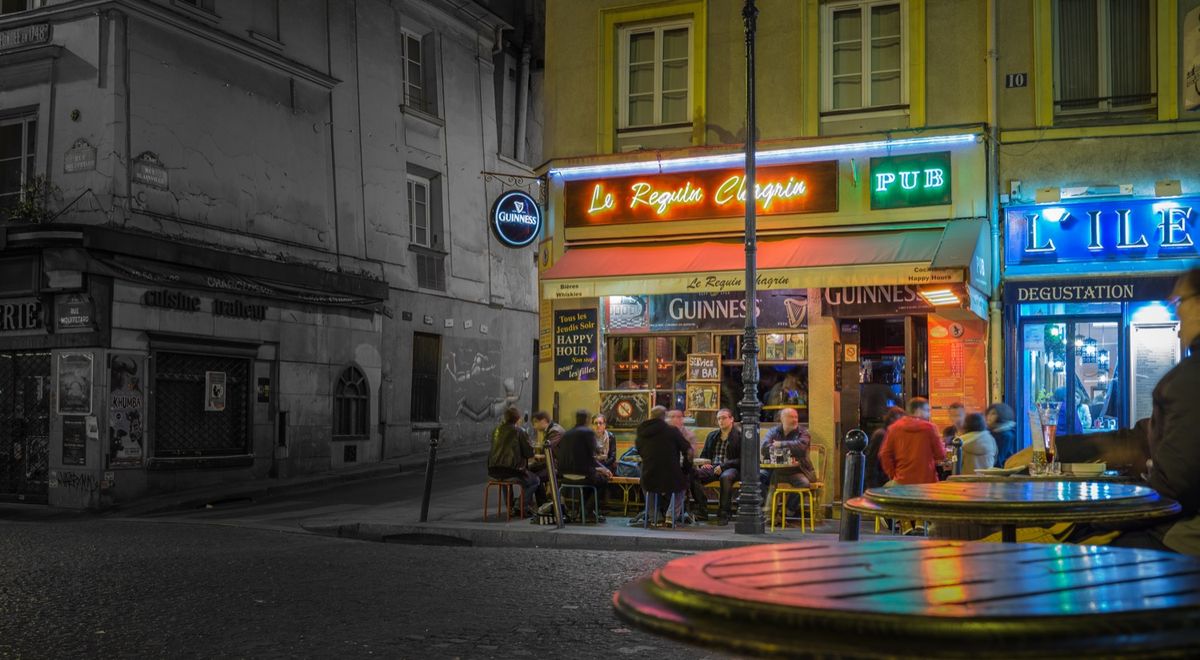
(781, 189)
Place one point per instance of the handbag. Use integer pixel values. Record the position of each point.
(627, 467)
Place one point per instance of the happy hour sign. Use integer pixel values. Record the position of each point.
(575, 344)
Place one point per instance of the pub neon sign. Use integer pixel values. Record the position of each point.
(912, 180)
(800, 188)
(1119, 230)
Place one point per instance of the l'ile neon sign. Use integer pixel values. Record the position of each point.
(803, 188)
(1130, 229)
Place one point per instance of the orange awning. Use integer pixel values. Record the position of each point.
(801, 262)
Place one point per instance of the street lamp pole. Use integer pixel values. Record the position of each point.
(749, 515)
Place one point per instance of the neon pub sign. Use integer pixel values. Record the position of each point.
(782, 189)
(1097, 231)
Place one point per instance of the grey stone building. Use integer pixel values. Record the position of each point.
(248, 239)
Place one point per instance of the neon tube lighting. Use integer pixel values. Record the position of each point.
(777, 156)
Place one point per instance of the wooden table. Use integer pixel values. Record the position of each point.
(1013, 503)
(925, 598)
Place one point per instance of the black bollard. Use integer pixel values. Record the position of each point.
(434, 433)
(958, 455)
(852, 485)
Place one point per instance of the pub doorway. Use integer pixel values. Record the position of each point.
(24, 427)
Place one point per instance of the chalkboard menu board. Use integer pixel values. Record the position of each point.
(575, 344)
(704, 367)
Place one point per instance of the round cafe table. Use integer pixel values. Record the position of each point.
(925, 598)
(1009, 504)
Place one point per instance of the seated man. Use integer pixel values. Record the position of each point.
(575, 456)
(510, 454)
(794, 440)
(724, 448)
(664, 451)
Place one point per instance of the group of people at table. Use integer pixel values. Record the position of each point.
(665, 449)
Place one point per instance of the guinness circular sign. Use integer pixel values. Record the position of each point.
(516, 219)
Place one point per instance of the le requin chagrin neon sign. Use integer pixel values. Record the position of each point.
(802, 188)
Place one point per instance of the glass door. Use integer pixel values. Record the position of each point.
(1077, 363)
(1096, 397)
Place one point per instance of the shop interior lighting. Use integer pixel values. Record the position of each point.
(1103, 359)
(1078, 341)
(1089, 350)
(769, 157)
(940, 297)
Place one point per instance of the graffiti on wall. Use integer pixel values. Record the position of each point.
(80, 482)
(478, 388)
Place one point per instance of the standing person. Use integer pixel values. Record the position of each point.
(912, 447)
(510, 454)
(548, 434)
(874, 476)
(675, 418)
(1003, 427)
(606, 443)
(793, 439)
(978, 445)
(958, 419)
(664, 451)
(575, 456)
(723, 447)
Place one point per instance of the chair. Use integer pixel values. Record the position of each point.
(504, 497)
(652, 505)
(576, 482)
(809, 493)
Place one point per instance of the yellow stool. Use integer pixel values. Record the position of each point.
(779, 503)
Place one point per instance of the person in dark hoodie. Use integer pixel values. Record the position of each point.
(1003, 427)
(875, 477)
(576, 458)
(663, 450)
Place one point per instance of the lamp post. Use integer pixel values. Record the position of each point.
(749, 515)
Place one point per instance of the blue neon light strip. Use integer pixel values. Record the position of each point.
(773, 157)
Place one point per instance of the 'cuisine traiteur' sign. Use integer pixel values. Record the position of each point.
(781, 189)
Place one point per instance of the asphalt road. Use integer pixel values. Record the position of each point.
(87, 587)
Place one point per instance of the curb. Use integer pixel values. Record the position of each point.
(198, 498)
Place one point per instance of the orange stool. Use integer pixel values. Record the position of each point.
(504, 498)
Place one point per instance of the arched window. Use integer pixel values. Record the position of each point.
(351, 404)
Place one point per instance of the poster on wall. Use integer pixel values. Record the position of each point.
(74, 444)
(575, 344)
(75, 384)
(703, 396)
(126, 411)
(957, 366)
(626, 408)
(1155, 351)
(214, 391)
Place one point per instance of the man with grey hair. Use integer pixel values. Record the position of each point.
(664, 451)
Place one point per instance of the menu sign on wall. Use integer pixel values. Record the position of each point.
(703, 367)
(957, 366)
(575, 344)
(780, 189)
(1155, 352)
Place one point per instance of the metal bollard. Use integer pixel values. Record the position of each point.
(958, 455)
(434, 434)
(852, 484)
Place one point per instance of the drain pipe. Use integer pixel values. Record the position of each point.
(995, 312)
(522, 100)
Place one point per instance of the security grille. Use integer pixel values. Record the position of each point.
(182, 425)
(24, 425)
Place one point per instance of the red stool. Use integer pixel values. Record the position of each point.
(504, 497)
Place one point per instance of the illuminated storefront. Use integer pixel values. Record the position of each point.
(647, 255)
(1085, 295)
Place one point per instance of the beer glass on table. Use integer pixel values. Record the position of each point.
(1044, 451)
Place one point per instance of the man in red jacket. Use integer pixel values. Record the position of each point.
(912, 447)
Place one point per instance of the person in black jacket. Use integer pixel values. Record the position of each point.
(510, 454)
(663, 450)
(875, 477)
(723, 447)
(1003, 427)
(576, 457)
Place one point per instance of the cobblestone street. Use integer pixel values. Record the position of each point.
(89, 588)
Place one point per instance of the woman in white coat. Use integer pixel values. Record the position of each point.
(979, 447)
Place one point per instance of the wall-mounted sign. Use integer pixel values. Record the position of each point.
(912, 180)
(74, 440)
(81, 157)
(1075, 290)
(171, 300)
(575, 344)
(780, 189)
(25, 36)
(703, 396)
(1014, 80)
(126, 411)
(73, 311)
(516, 219)
(239, 310)
(626, 408)
(214, 391)
(704, 367)
(851, 302)
(149, 170)
(704, 311)
(20, 314)
(1121, 230)
(1191, 60)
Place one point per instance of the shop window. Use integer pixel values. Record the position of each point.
(783, 376)
(185, 423)
(863, 60)
(651, 363)
(351, 405)
(266, 20)
(14, 6)
(417, 71)
(655, 75)
(670, 366)
(18, 157)
(629, 363)
(1103, 56)
(427, 359)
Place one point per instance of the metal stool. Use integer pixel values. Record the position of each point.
(582, 488)
(780, 498)
(652, 505)
(504, 497)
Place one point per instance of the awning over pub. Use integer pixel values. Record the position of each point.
(914, 256)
